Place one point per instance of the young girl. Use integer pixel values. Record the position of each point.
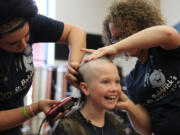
(100, 90)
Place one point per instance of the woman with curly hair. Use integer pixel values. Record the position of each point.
(136, 28)
(129, 17)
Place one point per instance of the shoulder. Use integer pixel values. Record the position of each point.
(162, 53)
(113, 117)
(71, 116)
(45, 29)
(42, 20)
(72, 124)
(117, 122)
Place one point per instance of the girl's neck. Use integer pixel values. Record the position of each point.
(91, 113)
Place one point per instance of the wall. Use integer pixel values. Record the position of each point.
(170, 9)
(88, 14)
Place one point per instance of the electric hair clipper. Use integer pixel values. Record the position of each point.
(65, 104)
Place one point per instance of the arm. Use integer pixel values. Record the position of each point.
(75, 37)
(138, 115)
(163, 36)
(140, 119)
(14, 117)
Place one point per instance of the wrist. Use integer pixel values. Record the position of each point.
(130, 106)
(31, 110)
(116, 48)
(25, 112)
(35, 108)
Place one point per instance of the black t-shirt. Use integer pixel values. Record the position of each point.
(156, 85)
(108, 129)
(17, 70)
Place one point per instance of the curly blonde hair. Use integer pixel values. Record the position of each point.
(129, 17)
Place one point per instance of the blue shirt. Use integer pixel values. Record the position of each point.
(156, 85)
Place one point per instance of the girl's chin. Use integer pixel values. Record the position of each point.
(110, 107)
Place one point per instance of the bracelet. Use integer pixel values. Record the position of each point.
(25, 113)
(30, 108)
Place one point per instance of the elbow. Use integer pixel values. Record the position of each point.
(169, 32)
(80, 29)
(171, 38)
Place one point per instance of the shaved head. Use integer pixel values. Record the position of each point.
(87, 70)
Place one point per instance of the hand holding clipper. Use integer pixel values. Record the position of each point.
(64, 105)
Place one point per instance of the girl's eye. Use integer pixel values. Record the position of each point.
(105, 81)
(118, 81)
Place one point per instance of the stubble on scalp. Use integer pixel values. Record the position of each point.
(87, 70)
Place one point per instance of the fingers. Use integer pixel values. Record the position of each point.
(91, 56)
(58, 116)
(61, 114)
(71, 77)
(87, 50)
(121, 105)
(123, 101)
(46, 105)
(72, 70)
(94, 55)
(72, 80)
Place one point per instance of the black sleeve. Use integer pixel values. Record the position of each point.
(44, 29)
(166, 53)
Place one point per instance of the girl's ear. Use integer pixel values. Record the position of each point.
(84, 88)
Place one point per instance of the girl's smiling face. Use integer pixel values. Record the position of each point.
(104, 87)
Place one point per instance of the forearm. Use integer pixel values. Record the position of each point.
(164, 36)
(75, 37)
(140, 119)
(14, 117)
(77, 40)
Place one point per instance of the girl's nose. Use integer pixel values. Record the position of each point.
(115, 88)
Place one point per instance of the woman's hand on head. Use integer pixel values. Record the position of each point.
(108, 51)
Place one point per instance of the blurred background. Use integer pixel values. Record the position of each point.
(51, 60)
